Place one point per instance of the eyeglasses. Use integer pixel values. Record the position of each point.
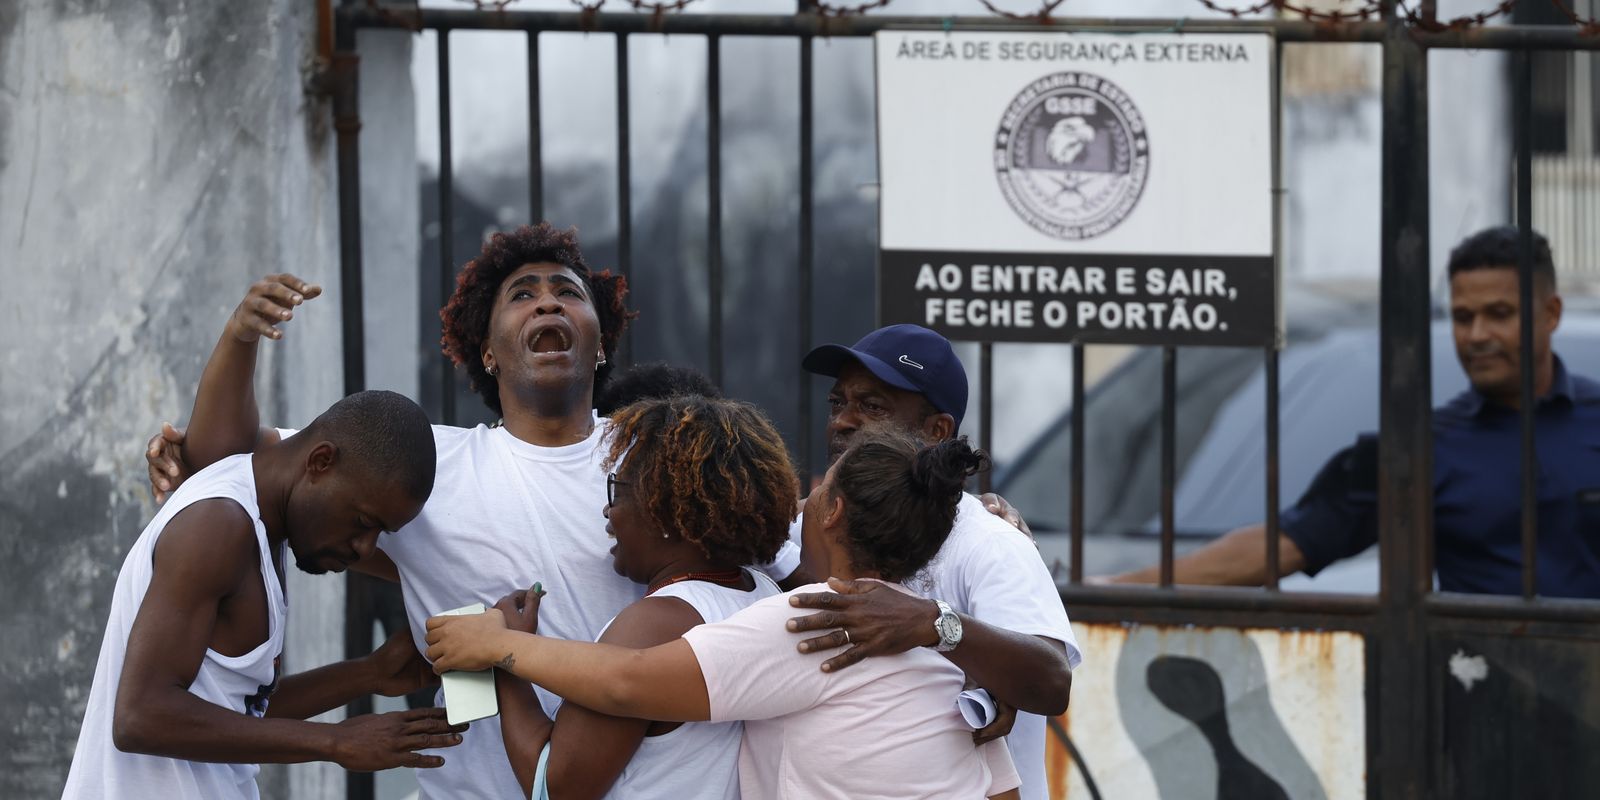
(611, 488)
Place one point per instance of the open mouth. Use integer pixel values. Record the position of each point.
(550, 340)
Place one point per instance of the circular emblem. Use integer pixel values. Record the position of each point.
(1071, 155)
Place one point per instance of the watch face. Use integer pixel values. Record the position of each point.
(949, 628)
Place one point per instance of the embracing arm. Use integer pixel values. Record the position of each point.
(1027, 672)
(662, 683)
(1030, 673)
(206, 553)
(588, 749)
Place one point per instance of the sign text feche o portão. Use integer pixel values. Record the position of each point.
(1049, 187)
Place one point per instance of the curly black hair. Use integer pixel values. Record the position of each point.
(465, 319)
(900, 498)
(714, 472)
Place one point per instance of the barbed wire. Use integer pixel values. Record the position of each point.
(1586, 27)
(1368, 10)
(1433, 25)
(1045, 14)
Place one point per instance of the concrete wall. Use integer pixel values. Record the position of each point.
(156, 156)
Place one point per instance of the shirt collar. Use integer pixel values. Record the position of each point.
(1560, 389)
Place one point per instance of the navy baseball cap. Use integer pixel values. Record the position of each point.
(908, 357)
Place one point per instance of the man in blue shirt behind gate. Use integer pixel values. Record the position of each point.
(1477, 440)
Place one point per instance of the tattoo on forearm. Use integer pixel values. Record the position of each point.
(507, 663)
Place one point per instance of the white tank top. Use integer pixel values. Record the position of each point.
(243, 683)
(697, 759)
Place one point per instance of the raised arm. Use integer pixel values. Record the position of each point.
(206, 553)
(661, 683)
(225, 420)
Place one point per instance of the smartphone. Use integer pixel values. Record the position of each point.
(468, 696)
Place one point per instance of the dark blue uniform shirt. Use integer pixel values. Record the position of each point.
(1477, 495)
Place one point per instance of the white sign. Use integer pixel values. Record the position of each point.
(1061, 186)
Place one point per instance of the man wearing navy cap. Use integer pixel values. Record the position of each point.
(989, 603)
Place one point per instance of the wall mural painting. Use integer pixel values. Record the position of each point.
(1205, 713)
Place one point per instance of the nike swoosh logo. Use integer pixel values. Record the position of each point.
(906, 360)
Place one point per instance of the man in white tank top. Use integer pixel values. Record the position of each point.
(179, 706)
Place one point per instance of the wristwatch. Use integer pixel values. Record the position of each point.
(948, 626)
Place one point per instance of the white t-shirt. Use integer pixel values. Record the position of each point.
(885, 728)
(696, 759)
(240, 683)
(503, 514)
(991, 572)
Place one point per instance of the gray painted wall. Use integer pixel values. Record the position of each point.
(156, 156)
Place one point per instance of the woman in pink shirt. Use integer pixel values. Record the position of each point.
(887, 727)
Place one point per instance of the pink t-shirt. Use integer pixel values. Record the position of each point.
(887, 727)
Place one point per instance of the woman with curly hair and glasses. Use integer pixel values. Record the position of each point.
(700, 488)
(888, 727)
(535, 329)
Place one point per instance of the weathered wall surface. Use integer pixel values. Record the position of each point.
(156, 156)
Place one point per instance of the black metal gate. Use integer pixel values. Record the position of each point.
(1424, 739)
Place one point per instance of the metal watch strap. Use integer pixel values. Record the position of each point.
(948, 626)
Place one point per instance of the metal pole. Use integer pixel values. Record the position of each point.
(986, 411)
(1522, 128)
(1078, 445)
(535, 134)
(625, 189)
(806, 255)
(1401, 756)
(714, 203)
(447, 270)
(1274, 568)
(1273, 559)
(358, 591)
(1169, 458)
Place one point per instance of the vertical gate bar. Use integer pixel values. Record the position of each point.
(1274, 570)
(447, 380)
(806, 255)
(347, 124)
(1169, 457)
(625, 189)
(358, 591)
(535, 134)
(714, 202)
(1077, 462)
(1400, 757)
(986, 411)
(1273, 559)
(1522, 129)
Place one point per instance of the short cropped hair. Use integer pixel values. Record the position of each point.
(900, 498)
(712, 471)
(1498, 248)
(650, 381)
(466, 317)
(385, 435)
